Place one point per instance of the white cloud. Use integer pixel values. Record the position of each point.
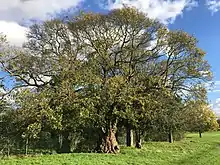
(13, 12)
(216, 106)
(217, 83)
(14, 32)
(213, 5)
(164, 10)
(17, 10)
(215, 90)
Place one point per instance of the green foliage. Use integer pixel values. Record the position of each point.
(201, 117)
(103, 71)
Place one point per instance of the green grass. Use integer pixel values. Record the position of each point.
(191, 151)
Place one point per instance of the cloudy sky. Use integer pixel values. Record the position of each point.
(198, 17)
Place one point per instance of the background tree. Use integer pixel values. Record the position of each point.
(201, 118)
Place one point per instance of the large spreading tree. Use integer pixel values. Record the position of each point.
(100, 70)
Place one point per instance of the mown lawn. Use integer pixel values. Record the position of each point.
(191, 151)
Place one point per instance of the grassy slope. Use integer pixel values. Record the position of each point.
(191, 151)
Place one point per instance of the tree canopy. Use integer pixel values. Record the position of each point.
(94, 74)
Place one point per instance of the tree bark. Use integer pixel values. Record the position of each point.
(170, 136)
(8, 148)
(26, 146)
(138, 139)
(129, 136)
(200, 134)
(110, 143)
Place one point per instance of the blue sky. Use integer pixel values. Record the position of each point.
(198, 17)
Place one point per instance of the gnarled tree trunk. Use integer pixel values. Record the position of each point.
(110, 144)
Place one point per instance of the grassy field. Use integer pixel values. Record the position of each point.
(191, 151)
